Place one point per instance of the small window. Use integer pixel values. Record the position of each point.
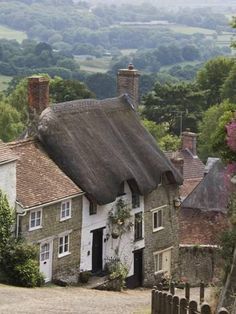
(121, 189)
(157, 220)
(158, 262)
(35, 219)
(92, 208)
(63, 248)
(66, 210)
(135, 200)
(138, 226)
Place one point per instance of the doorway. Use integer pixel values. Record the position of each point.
(46, 259)
(97, 250)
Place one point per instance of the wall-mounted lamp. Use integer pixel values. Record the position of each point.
(177, 202)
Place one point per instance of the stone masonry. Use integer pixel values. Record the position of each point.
(67, 266)
(162, 239)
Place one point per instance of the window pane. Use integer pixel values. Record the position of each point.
(39, 214)
(159, 218)
(61, 241)
(154, 220)
(33, 215)
(160, 261)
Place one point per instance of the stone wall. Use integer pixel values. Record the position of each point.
(66, 266)
(162, 239)
(198, 264)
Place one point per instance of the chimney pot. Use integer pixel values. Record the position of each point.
(189, 141)
(128, 83)
(38, 94)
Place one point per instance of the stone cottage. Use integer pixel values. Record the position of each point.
(203, 217)
(83, 158)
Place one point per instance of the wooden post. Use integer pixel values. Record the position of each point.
(169, 304)
(192, 307)
(183, 306)
(202, 292)
(172, 288)
(223, 310)
(187, 291)
(205, 309)
(153, 301)
(175, 305)
(164, 303)
(159, 303)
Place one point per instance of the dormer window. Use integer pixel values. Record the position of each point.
(121, 189)
(92, 207)
(65, 210)
(135, 200)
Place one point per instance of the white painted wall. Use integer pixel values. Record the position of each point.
(126, 243)
(8, 181)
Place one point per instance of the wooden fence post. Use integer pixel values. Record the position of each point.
(164, 303)
(183, 304)
(175, 305)
(192, 307)
(205, 309)
(187, 291)
(154, 300)
(172, 288)
(159, 303)
(202, 296)
(223, 310)
(169, 303)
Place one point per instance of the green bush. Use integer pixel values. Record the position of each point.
(28, 274)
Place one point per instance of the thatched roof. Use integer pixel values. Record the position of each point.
(100, 144)
(213, 192)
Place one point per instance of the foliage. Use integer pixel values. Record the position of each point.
(117, 270)
(102, 85)
(212, 138)
(212, 76)
(18, 260)
(228, 240)
(166, 141)
(168, 101)
(119, 218)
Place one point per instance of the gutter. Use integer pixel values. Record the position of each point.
(199, 245)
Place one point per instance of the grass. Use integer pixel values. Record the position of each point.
(4, 81)
(127, 52)
(188, 30)
(95, 65)
(167, 67)
(9, 33)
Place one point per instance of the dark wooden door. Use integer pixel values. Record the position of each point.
(97, 250)
(137, 279)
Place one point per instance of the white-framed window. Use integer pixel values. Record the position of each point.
(35, 220)
(63, 245)
(158, 262)
(157, 219)
(65, 210)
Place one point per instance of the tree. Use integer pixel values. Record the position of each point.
(10, 122)
(102, 85)
(161, 133)
(228, 90)
(212, 138)
(6, 221)
(212, 77)
(168, 101)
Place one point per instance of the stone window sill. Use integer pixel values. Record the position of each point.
(158, 229)
(64, 254)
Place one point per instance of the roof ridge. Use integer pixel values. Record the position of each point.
(22, 142)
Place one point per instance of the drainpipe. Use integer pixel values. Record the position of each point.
(18, 215)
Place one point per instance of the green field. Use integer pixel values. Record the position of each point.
(94, 65)
(188, 30)
(127, 52)
(4, 80)
(9, 33)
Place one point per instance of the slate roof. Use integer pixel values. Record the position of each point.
(197, 227)
(6, 155)
(100, 144)
(38, 179)
(212, 193)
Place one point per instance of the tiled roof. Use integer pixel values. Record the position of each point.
(193, 166)
(6, 154)
(39, 179)
(188, 186)
(201, 228)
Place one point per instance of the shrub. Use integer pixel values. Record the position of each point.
(117, 270)
(28, 274)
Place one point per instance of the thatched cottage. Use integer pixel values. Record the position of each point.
(97, 187)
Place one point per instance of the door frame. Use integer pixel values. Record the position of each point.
(94, 231)
(41, 243)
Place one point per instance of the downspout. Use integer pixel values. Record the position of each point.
(18, 215)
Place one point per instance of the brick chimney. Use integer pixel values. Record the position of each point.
(178, 163)
(38, 100)
(128, 83)
(189, 141)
